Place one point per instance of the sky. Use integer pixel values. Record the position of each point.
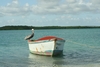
(50, 12)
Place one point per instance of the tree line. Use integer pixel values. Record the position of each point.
(45, 27)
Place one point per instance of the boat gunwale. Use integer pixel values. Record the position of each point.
(41, 41)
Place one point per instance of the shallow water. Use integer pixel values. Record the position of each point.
(81, 49)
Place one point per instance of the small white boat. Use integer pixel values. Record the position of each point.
(48, 45)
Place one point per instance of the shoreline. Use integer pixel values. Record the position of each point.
(46, 27)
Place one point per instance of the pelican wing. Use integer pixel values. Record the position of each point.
(29, 37)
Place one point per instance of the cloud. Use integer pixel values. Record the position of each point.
(67, 7)
(13, 4)
(48, 3)
(95, 5)
(50, 7)
(14, 9)
(95, 1)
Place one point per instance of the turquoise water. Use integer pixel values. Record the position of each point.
(81, 49)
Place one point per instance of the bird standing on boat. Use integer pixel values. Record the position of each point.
(30, 36)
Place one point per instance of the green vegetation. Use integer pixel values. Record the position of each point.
(45, 27)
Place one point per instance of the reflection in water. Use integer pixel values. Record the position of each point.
(45, 61)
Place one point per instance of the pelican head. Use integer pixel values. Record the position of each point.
(32, 30)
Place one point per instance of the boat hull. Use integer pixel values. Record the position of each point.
(51, 47)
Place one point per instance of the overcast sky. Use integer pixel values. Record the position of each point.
(50, 12)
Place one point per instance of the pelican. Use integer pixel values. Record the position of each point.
(30, 36)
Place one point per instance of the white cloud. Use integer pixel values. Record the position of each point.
(43, 17)
(48, 3)
(15, 1)
(14, 9)
(27, 5)
(54, 7)
(13, 4)
(71, 1)
(51, 7)
(11, 20)
(95, 1)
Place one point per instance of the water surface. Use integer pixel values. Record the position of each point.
(81, 49)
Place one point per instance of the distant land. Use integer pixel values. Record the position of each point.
(45, 27)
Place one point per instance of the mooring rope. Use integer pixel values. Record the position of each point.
(85, 45)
